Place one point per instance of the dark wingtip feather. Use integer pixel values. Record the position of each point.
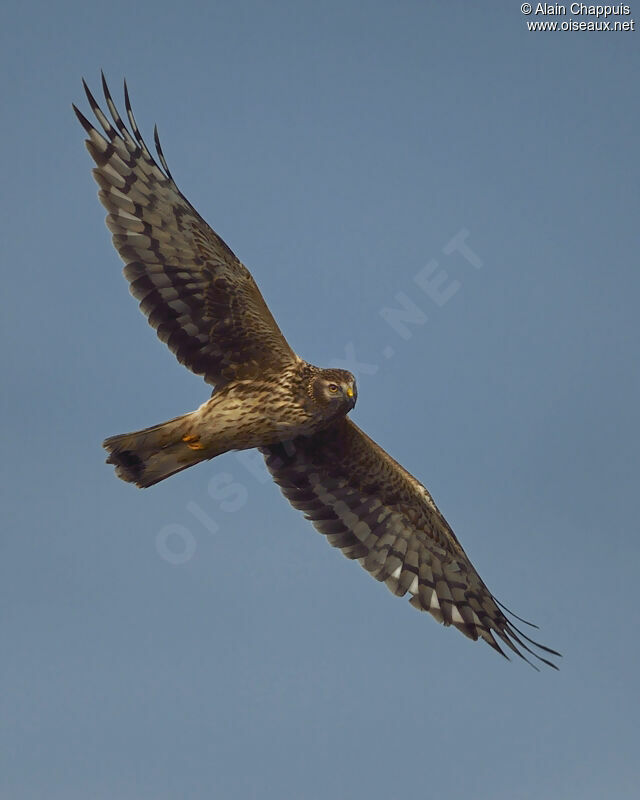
(92, 100)
(495, 645)
(540, 658)
(99, 114)
(509, 611)
(163, 160)
(515, 633)
(82, 119)
(546, 649)
(132, 119)
(105, 86)
(124, 132)
(134, 125)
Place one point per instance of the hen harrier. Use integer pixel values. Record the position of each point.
(207, 308)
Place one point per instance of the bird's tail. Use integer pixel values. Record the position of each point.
(149, 456)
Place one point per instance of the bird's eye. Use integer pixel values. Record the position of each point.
(333, 388)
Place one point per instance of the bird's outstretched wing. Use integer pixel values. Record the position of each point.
(375, 511)
(194, 291)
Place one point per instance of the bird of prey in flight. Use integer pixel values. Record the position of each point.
(205, 305)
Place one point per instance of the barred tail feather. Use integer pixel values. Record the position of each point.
(149, 456)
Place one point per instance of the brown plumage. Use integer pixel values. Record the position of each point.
(205, 305)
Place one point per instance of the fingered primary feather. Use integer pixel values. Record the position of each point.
(375, 511)
(200, 299)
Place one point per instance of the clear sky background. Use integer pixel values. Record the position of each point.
(338, 147)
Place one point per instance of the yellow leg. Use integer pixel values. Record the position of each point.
(193, 442)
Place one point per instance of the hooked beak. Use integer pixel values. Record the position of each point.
(351, 395)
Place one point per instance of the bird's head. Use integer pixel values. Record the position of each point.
(334, 390)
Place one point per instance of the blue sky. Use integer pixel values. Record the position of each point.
(339, 148)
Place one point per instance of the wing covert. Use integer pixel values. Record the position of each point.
(201, 300)
(374, 511)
